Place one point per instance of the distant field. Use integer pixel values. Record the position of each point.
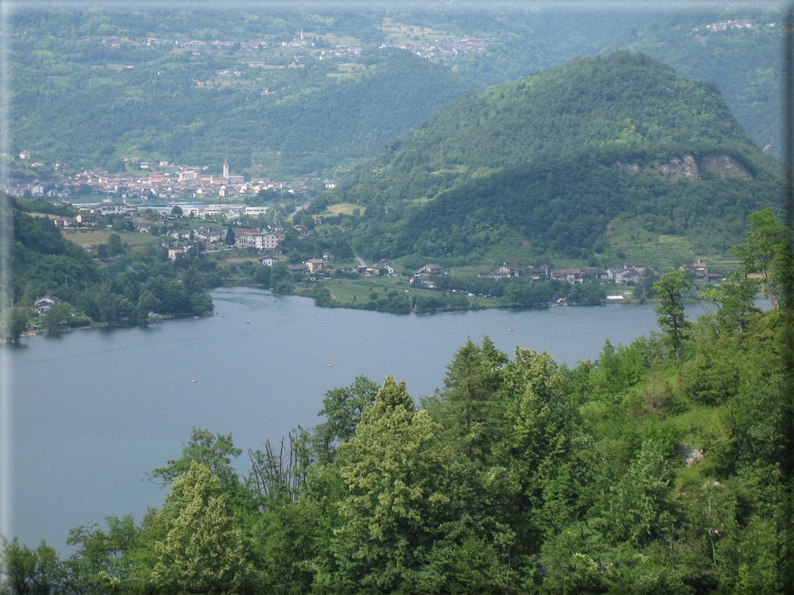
(241, 259)
(349, 70)
(400, 33)
(100, 236)
(344, 208)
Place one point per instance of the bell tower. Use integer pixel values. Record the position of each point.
(225, 168)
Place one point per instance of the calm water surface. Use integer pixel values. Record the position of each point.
(94, 411)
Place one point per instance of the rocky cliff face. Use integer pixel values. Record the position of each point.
(687, 167)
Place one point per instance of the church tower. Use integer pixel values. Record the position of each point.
(225, 168)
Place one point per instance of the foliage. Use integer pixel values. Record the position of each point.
(634, 473)
(13, 322)
(499, 164)
(211, 451)
(764, 249)
(35, 571)
(672, 319)
(343, 408)
(125, 291)
(56, 319)
(203, 550)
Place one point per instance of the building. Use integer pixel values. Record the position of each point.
(501, 272)
(430, 270)
(315, 264)
(44, 303)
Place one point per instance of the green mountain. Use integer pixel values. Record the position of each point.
(272, 111)
(559, 163)
(193, 86)
(739, 49)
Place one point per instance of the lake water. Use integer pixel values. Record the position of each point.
(94, 411)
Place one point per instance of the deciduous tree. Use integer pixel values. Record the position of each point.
(672, 319)
(203, 549)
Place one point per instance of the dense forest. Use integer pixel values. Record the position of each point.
(555, 158)
(125, 289)
(662, 467)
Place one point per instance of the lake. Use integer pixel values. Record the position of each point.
(94, 411)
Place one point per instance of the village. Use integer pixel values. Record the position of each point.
(152, 182)
(222, 227)
(310, 45)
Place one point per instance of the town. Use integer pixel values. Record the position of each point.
(153, 182)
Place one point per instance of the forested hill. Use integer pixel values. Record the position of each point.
(623, 99)
(481, 165)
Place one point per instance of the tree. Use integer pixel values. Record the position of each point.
(228, 239)
(13, 322)
(214, 452)
(539, 425)
(102, 562)
(763, 249)
(177, 211)
(37, 572)
(672, 319)
(106, 303)
(734, 301)
(203, 549)
(396, 497)
(343, 408)
(471, 381)
(57, 317)
(115, 246)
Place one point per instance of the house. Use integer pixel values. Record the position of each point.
(430, 270)
(592, 274)
(501, 272)
(111, 208)
(65, 222)
(86, 219)
(245, 237)
(297, 268)
(315, 264)
(269, 260)
(701, 269)
(266, 241)
(174, 253)
(210, 234)
(383, 266)
(569, 275)
(44, 303)
(541, 272)
(625, 275)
